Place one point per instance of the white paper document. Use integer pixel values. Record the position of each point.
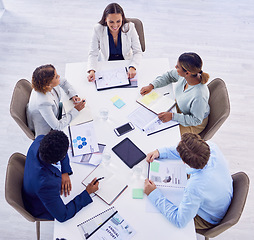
(83, 139)
(168, 173)
(89, 158)
(170, 178)
(148, 121)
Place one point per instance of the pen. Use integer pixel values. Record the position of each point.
(166, 93)
(98, 180)
(81, 101)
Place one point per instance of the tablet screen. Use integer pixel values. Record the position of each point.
(128, 152)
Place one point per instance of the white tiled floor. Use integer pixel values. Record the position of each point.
(34, 32)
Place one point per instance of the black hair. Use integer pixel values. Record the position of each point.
(53, 147)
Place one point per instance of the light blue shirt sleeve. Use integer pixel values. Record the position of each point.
(179, 216)
(169, 153)
(165, 79)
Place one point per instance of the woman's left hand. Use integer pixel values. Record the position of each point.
(66, 184)
(165, 116)
(132, 72)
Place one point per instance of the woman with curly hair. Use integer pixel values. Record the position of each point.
(44, 110)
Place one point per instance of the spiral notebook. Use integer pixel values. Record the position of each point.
(106, 225)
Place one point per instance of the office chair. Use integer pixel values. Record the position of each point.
(20, 98)
(13, 188)
(219, 108)
(140, 30)
(240, 192)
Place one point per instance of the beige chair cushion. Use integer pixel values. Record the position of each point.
(20, 98)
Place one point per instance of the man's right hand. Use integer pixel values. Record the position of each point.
(152, 155)
(91, 187)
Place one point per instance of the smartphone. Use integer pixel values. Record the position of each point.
(124, 129)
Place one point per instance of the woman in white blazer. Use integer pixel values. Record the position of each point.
(43, 109)
(114, 38)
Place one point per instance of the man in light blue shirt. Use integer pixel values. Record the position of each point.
(209, 189)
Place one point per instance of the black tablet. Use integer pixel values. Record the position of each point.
(128, 152)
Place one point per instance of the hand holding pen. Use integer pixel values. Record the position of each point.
(79, 104)
(92, 186)
(98, 179)
(91, 76)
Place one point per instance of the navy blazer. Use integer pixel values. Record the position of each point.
(42, 186)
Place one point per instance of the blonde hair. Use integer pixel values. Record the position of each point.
(192, 62)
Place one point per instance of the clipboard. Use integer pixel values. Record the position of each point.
(113, 78)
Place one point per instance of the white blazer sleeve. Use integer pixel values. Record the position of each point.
(47, 113)
(94, 50)
(68, 89)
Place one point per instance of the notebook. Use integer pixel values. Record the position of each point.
(111, 187)
(157, 102)
(85, 115)
(106, 225)
(128, 152)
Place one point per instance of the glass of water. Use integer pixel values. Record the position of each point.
(104, 113)
(106, 156)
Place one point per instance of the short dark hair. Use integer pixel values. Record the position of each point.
(42, 77)
(53, 147)
(111, 9)
(193, 150)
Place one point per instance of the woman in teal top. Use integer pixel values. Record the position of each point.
(191, 93)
